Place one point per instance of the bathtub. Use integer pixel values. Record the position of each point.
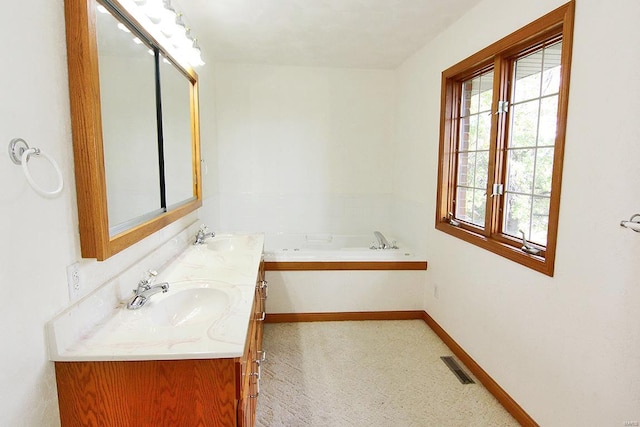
(339, 276)
(331, 248)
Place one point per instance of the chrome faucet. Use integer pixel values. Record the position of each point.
(202, 235)
(383, 243)
(146, 289)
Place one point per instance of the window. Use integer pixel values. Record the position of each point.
(502, 127)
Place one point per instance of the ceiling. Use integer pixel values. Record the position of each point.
(334, 33)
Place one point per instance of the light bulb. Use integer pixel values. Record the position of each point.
(179, 30)
(154, 10)
(123, 27)
(182, 41)
(168, 24)
(195, 54)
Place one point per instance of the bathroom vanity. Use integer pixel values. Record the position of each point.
(188, 357)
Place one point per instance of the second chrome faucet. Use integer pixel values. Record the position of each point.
(202, 235)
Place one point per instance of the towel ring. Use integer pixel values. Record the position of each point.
(20, 152)
(633, 223)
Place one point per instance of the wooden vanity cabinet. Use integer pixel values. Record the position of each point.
(155, 393)
(253, 357)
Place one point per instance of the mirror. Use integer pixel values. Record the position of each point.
(176, 129)
(129, 130)
(135, 129)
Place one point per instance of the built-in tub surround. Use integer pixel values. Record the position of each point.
(319, 273)
(333, 247)
(204, 314)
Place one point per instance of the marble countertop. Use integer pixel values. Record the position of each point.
(205, 313)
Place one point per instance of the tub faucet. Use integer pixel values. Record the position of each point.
(202, 235)
(146, 289)
(383, 243)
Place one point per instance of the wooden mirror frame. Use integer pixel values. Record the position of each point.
(86, 122)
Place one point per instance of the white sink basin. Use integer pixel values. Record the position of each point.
(188, 302)
(188, 306)
(184, 311)
(232, 243)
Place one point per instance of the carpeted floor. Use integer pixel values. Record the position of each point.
(366, 373)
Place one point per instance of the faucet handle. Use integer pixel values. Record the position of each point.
(149, 276)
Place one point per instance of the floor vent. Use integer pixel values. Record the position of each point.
(457, 370)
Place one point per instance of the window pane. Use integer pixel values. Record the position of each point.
(544, 170)
(464, 204)
(466, 169)
(527, 77)
(517, 215)
(524, 124)
(477, 95)
(551, 73)
(532, 135)
(540, 220)
(470, 98)
(482, 170)
(484, 131)
(486, 92)
(471, 205)
(548, 121)
(469, 130)
(479, 207)
(520, 166)
(473, 148)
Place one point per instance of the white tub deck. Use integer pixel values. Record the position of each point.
(352, 251)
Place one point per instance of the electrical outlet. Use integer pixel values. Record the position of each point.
(74, 282)
(435, 290)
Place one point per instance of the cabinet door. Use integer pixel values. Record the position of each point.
(249, 374)
(262, 291)
(158, 393)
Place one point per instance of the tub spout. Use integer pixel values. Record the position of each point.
(383, 243)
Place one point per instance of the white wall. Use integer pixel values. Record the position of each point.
(565, 348)
(344, 291)
(40, 236)
(303, 149)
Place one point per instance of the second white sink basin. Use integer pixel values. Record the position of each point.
(230, 243)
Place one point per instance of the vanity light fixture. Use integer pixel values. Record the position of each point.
(170, 26)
